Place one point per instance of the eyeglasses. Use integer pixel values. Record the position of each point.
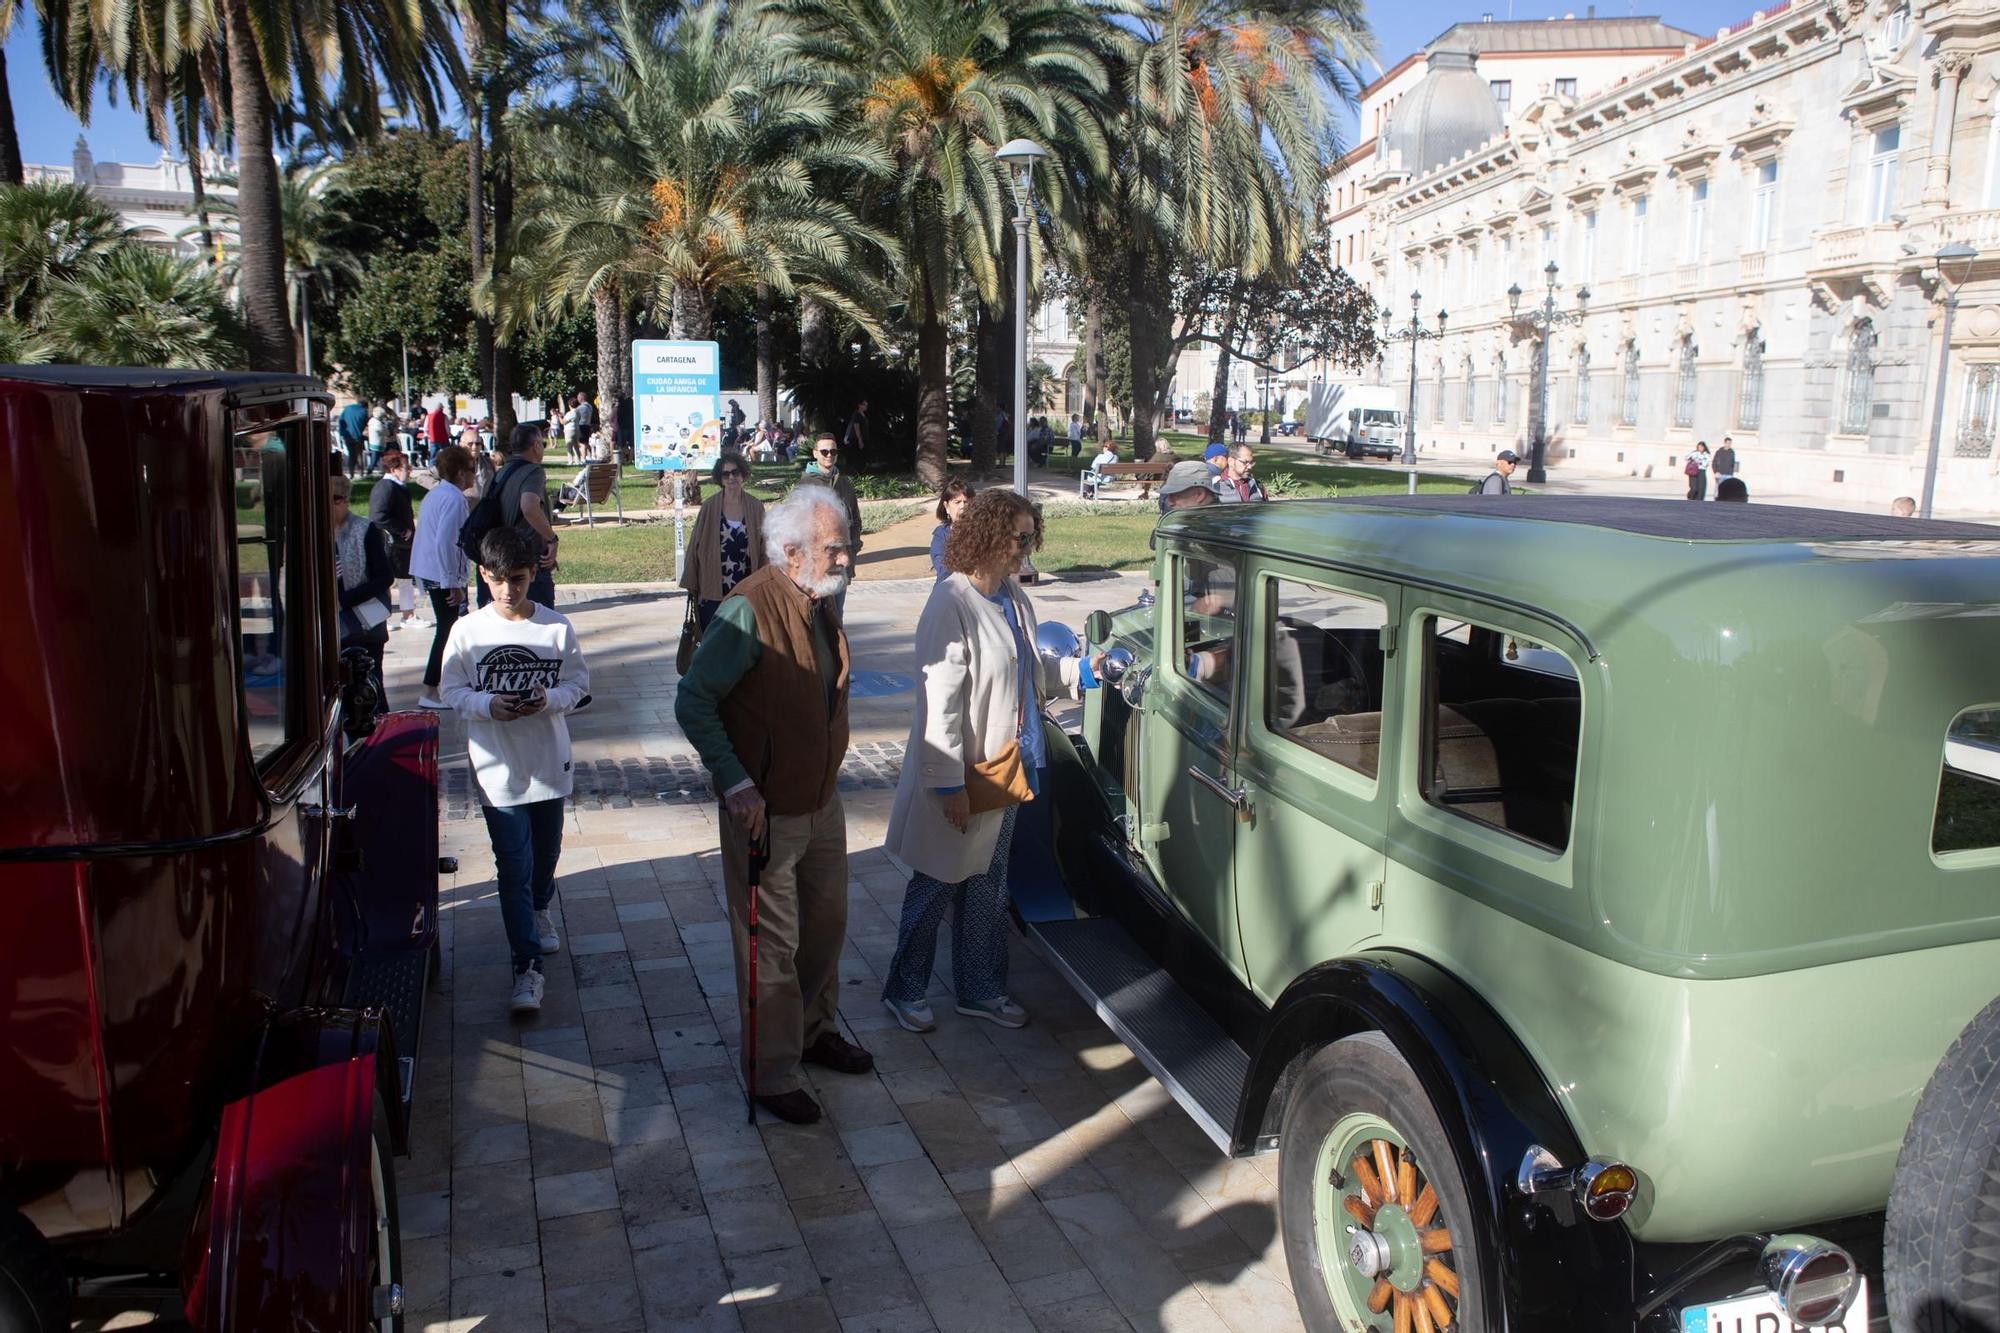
(826, 453)
(1024, 538)
(730, 472)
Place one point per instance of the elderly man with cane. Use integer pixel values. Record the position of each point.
(765, 703)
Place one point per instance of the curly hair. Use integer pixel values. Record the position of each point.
(985, 532)
(729, 458)
(951, 490)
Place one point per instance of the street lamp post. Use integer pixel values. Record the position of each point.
(1546, 319)
(1413, 334)
(1954, 266)
(1020, 156)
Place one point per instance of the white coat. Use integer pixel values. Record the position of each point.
(967, 709)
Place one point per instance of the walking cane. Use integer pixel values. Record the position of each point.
(758, 856)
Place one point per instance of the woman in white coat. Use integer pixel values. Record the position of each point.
(981, 690)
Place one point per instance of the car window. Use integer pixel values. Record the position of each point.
(1968, 805)
(1323, 684)
(1208, 625)
(1502, 728)
(266, 534)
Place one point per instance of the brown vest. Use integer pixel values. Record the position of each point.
(776, 717)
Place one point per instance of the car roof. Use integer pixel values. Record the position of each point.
(255, 383)
(1589, 558)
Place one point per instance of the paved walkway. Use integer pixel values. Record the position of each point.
(592, 1169)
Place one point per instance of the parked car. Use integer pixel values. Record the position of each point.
(1578, 892)
(220, 869)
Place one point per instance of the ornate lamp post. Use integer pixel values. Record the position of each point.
(1413, 334)
(1954, 266)
(1546, 319)
(1020, 156)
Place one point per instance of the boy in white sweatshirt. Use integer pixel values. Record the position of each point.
(512, 670)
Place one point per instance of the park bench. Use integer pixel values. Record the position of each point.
(1091, 482)
(594, 485)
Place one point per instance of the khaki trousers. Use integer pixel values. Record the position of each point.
(801, 927)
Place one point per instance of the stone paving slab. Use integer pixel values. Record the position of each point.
(593, 1168)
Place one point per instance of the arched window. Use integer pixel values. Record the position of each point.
(1500, 395)
(1470, 407)
(1582, 413)
(1750, 401)
(1628, 410)
(1686, 383)
(1858, 403)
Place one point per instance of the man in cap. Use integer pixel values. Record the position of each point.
(1188, 485)
(1496, 481)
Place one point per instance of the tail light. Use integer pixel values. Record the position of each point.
(1813, 1279)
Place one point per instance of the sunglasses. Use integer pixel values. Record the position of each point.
(729, 472)
(826, 453)
(1023, 538)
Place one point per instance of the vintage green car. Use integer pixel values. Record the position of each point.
(1580, 891)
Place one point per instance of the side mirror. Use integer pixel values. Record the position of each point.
(1097, 628)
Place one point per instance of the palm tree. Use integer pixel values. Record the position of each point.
(138, 306)
(10, 142)
(686, 164)
(329, 64)
(314, 217)
(1225, 121)
(49, 233)
(941, 85)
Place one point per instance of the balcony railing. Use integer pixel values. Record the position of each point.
(1839, 249)
(1750, 266)
(1980, 230)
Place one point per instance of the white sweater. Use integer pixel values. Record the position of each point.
(527, 759)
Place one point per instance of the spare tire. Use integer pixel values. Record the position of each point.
(1941, 1245)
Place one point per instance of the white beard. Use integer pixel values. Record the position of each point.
(832, 585)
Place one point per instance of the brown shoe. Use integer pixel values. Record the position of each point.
(796, 1106)
(838, 1054)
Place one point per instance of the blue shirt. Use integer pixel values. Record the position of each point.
(353, 422)
(1034, 745)
(937, 551)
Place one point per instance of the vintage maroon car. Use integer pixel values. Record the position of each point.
(218, 868)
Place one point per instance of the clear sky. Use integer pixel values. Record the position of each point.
(48, 131)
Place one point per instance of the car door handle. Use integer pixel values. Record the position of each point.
(326, 812)
(1235, 796)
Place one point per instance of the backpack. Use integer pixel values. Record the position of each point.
(1692, 468)
(485, 515)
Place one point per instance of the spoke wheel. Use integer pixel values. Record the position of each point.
(1375, 1213)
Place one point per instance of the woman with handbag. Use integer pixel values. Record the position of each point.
(975, 746)
(363, 572)
(727, 544)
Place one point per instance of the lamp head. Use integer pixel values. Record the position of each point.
(1514, 299)
(1416, 302)
(1441, 319)
(1020, 156)
(1582, 297)
(1551, 270)
(1954, 264)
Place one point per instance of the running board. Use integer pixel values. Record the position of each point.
(394, 983)
(1171, 1033)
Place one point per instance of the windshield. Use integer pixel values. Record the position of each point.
(1376, 416)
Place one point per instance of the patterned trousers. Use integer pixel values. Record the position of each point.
(978, 930)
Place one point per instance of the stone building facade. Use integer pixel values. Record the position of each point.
(153, 200)
(1754, 220)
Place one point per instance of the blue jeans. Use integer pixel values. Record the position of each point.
(527, 839)
(978, 931)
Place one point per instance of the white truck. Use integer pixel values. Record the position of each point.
(1359, 420)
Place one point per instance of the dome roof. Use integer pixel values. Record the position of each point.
(1449, 113)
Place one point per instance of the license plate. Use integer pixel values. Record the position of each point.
(1760, 1314)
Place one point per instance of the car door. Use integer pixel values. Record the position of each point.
(1319, 699)
(1186, 792)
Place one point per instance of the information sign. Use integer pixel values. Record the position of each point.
(677, 405)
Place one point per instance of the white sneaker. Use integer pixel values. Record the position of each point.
(435, 704)
(546, 929)
(527, 997)
(999, 1009)
(912, 1016)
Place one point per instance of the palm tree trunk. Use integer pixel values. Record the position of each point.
(815, 332)
(989, 334)
(475, 198)
(259, 213)
(10, 143)
(504, 369)
(933, 400)
(1218, 405)
(767, 356)
(1096, 413)
(191, 145)
(693, 312)
(609, 310)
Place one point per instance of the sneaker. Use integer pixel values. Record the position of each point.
(435, 704)
(546, 930)
(913, 1015)
(999, 1009)
(527, 997)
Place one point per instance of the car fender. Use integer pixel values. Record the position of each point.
(390, 845)
(279, 1238)
(1549, 1270)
